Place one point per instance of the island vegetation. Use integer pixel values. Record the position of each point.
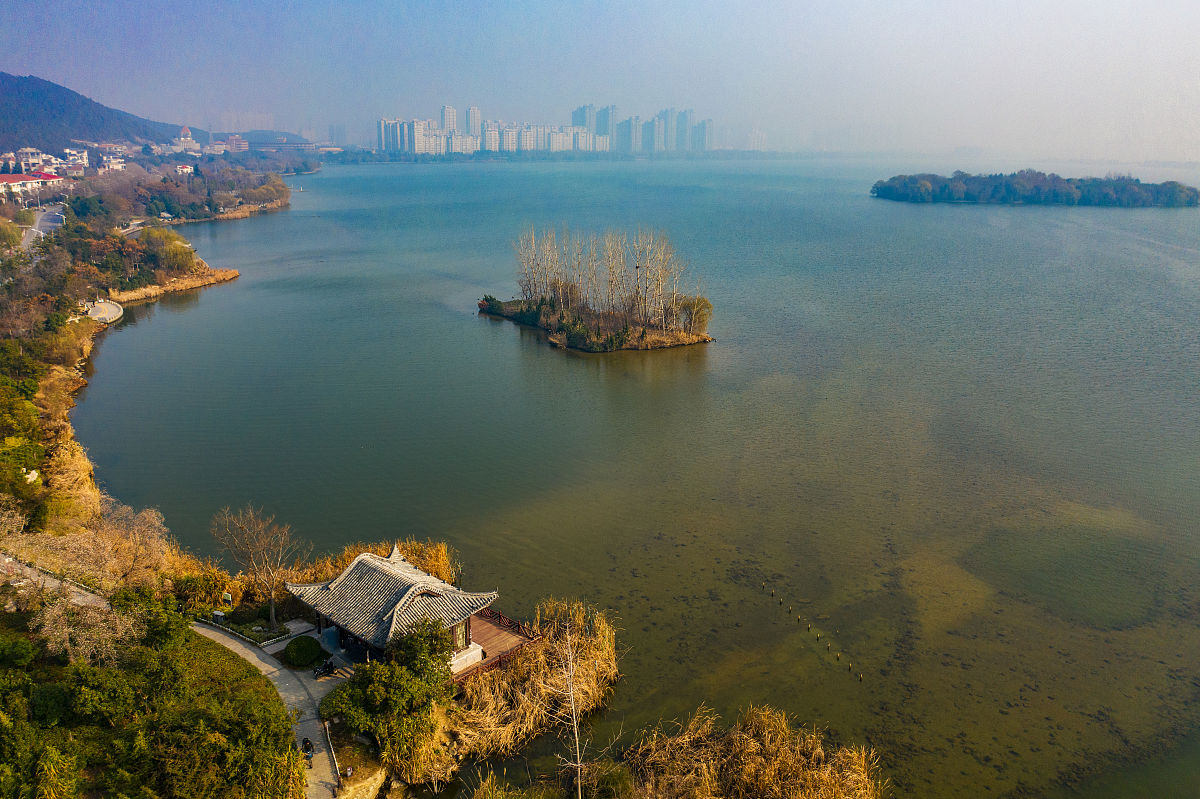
(600, 293)
(1029, 187)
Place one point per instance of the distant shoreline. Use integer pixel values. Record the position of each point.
(1030, 187)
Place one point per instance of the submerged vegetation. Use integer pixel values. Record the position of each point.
(604, 293)
(1029, 187)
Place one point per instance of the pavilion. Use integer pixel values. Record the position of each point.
(376, 598)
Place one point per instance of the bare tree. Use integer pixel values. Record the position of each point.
(265, 550)
(138, 542)
(91, 633)
(566, 655)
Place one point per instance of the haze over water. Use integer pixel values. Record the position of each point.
(961, 442)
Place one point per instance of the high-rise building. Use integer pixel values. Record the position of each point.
(388, 135)
(606, 122)
(653, 135)
(683, 130)
(337, 135)
(584, 117)
(449, 119)
(491, 138)
(757, 140)
(669, 119)
(629, 135)
(702, 136)
(508, 140)
(474, 121)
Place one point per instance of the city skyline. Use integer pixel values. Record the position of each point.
(1063, 78)
(590, 130)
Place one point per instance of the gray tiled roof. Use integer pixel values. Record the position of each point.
(376, 597)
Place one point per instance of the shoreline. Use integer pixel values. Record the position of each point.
(68, 472)
(656, 340)
(241, 212)
(209, 277)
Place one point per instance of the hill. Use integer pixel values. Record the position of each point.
(38, 113)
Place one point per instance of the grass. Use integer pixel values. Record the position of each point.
(216, 671)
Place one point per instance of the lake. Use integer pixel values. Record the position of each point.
(962, 443)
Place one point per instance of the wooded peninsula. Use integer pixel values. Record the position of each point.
(604, 293)
(1029, 187)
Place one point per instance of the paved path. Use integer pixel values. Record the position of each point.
(14, 571)
(299, 691)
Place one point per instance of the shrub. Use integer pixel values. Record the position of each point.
(393, 700)
(302, 651)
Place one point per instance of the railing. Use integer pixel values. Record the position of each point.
(497, 618)
(500, 620)
(489, 665)
(337, 771)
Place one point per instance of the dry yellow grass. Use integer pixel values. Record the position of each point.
(433, 557)
(500, 710)
(762, 756)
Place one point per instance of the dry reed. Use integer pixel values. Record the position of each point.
(502, 709)
(761, 755)
(432, 557)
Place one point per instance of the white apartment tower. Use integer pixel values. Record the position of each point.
(449, 119)
(474, 121)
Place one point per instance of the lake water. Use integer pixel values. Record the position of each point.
(963, 443)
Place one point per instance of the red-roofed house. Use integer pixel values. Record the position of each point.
(22, 184)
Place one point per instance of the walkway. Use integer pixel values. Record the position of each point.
(15, 571)
(299, 691)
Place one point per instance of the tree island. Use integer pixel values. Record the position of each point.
(1029, 187)
(603, 293)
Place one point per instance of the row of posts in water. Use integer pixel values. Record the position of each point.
(828, 644)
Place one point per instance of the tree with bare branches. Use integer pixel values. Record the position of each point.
(266, 551)
(88, 633)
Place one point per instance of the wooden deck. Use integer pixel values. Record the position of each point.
(500, 638)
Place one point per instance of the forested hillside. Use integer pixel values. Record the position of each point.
(41, 114)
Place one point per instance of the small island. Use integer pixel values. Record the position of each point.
(601, 293)
(1029, 187)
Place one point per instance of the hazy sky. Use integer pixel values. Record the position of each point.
(1045, 79)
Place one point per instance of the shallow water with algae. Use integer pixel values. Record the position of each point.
(959, 444)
